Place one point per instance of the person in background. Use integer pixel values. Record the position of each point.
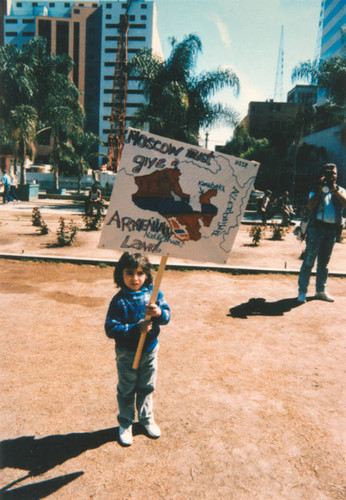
(13, 188)
(286, 209)
(326, 202)
(263, 206)
(6, 182)
(94, 199)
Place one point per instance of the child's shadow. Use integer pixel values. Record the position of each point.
(38, 456)
(260, 307)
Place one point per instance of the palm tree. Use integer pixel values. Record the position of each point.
(65, 117)
(178, 100)
(36, 82)
(83, 151)
(329, 75)
(24, 129)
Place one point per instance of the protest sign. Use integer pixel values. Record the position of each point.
(173, 199)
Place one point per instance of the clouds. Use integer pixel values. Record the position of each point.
(223, 30)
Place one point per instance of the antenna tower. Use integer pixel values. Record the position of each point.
(278, 92)
(119, 96)
(317, 55)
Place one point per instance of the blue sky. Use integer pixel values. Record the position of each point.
(243, 35)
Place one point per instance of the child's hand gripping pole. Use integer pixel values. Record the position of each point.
(152, 300)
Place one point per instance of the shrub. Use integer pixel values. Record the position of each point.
(278, 232)
(44, 228)
(93, 221)
(66, 233)
(36, 217)
(38, 221)
(256, 233)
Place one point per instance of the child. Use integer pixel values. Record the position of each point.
(124, 323)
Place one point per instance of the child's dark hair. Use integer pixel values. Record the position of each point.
(132, 261)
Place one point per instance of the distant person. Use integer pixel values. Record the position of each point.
(286, 209)
(125, 321)
(263, 206)
(326, 202)
(6, 182)
(14, 187)
(94, 200)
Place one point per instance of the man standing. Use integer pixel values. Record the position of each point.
(263, 206)
(6, 182)
(326, 202)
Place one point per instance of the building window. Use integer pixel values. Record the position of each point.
(124, 6)
(143, 18)
(62, 39)
(11, 21)
(132, 18)
(144, 6)
(67, 4)
(11, 33)
(45, 30)
(52, 5)
(28, 21)
(19, 4)
(34, 4)
(108, 5)
(28, 33)
(108, 16)
(76, 11)
(76, 39)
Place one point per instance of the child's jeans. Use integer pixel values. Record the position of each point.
(132, 383)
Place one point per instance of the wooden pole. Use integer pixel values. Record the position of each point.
(152, 301)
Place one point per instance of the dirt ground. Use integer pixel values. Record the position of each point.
(250, 404)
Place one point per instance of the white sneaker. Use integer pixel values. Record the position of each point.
(301, 298)
(324, 296)
(153, 430)
(125, 436)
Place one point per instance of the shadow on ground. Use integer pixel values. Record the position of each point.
(38, 490)
(40, 455)
(260, 307)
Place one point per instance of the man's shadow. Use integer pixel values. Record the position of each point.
(260, 307)
(38, 456)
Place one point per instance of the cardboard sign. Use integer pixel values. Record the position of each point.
(171, 198)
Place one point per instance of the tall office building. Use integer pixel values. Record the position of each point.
(334, 29)
(89, 33)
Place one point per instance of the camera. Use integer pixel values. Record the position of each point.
(328, 178)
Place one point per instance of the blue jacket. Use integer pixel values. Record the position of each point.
(126, 310)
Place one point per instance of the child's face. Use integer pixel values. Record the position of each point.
(134, 279)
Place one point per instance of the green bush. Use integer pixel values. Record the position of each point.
(256, 233)
(66, 233)
(36, 217)
(278, 232)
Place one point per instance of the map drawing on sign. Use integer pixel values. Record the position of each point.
(171, 198)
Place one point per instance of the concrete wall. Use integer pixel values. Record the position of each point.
(46, 180)
(331, 140)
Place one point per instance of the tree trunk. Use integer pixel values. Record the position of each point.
(56, 176)
(22, 166)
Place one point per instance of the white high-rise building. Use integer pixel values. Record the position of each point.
(142, 33)
(334, 29)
